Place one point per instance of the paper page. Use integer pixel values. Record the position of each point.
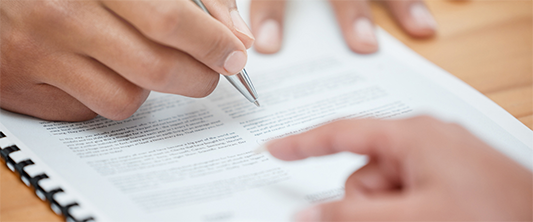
(187, 159)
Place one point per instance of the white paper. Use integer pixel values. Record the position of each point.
(191, 159)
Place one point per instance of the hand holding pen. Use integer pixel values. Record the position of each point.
(241, 81)
(71, 60)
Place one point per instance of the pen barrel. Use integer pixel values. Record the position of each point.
(240, 81)
(244, 85)
(201, 5)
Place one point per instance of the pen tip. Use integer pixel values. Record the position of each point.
(257, 103)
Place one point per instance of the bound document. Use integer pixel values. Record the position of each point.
(184, 159)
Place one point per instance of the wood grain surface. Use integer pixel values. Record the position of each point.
(487, 44)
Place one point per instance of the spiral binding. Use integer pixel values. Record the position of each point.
(40, 182)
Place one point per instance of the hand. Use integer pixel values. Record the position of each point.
(419, 169)
(71, 60)
(353, 16)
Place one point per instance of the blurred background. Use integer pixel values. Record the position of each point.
(487, 44)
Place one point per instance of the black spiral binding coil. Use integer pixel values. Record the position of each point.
(18, 168)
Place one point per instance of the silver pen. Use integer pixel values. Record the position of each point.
(240, 81)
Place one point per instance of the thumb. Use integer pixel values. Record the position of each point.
(383, 209)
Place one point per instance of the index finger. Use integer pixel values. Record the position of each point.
(184, 26)
(376, 138)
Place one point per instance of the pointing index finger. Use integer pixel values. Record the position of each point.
(370, 137)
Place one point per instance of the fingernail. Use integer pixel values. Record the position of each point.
(308, 215)
(240, 25)
(268, 36)
(422, 16)
(235, 62)
(364, 31)
(261, 149)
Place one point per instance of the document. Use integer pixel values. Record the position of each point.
(185, 159)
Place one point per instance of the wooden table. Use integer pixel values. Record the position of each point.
(487, 44)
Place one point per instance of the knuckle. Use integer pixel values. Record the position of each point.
(59, 14)
(217, 49)
(124, 103)
(160, 76)
(165, 71)
(155, 70)
(395, 134)
(206, 86)
(162, 26)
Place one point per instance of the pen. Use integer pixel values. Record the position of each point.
(240, 81)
